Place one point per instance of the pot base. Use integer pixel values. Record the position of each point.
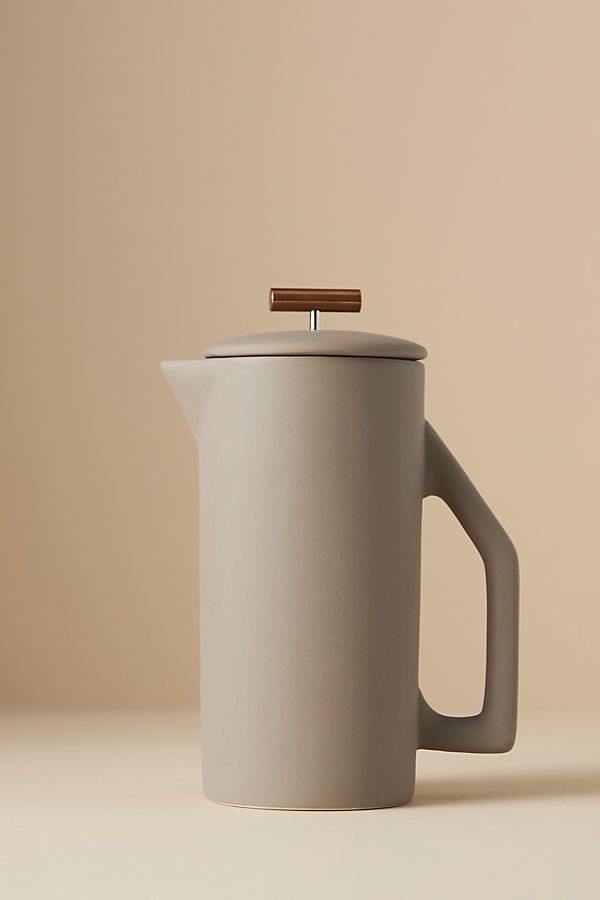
(309, 808)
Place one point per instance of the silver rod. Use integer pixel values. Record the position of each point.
(315, 317)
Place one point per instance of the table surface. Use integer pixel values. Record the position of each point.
(110, 805)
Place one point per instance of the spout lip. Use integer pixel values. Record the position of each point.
(190, 385)
(171, 367)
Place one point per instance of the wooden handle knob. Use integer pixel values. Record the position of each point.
(312, 299)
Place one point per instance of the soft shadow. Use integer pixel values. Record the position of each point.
(510, 787)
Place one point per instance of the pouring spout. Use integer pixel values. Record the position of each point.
(190, 381)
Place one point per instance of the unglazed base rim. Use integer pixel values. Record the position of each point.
(309, 808)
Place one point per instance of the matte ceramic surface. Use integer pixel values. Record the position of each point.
(318, 343)
(312, 475)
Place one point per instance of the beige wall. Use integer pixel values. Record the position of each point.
(165, 163)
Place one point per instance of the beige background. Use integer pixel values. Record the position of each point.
(165, 163)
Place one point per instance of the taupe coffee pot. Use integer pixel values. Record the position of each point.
(314, 458)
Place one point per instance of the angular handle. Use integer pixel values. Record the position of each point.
(493, 729)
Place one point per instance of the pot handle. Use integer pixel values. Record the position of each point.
(493, 729)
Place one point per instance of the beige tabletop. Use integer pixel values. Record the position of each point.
(110, 805)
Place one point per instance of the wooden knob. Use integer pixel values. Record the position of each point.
(314, 299)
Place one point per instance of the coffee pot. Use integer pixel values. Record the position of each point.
(314, 459)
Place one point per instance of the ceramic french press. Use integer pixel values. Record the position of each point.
(314, 459)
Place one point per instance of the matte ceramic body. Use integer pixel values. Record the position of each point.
(312, 475)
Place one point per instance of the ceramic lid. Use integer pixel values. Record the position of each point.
(315, 342)
(318, 343)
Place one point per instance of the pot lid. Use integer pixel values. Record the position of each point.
(315, 342)
(318, 343)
